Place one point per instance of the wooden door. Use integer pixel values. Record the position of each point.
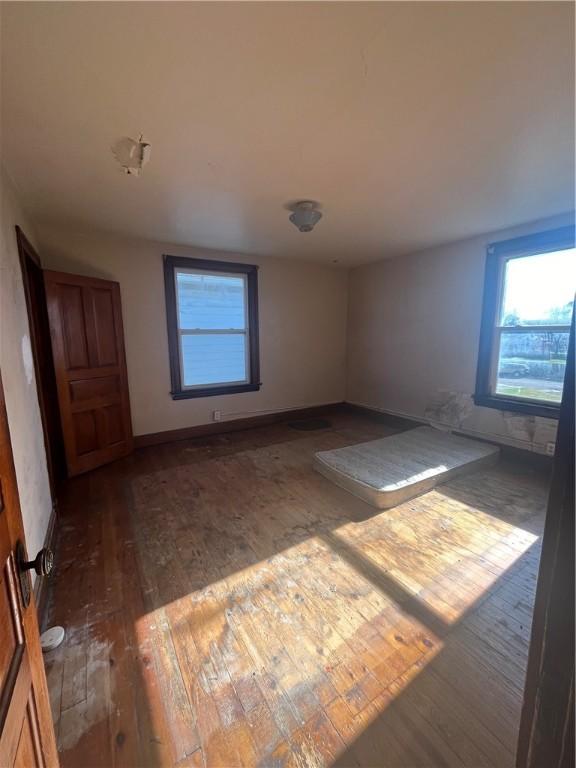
(26, 731)
(85, 319)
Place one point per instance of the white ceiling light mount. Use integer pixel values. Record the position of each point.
(132, 154)
(305, 215)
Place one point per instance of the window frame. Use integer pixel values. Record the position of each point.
(497, 255)
(173, 264)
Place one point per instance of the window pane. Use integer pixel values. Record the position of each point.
(531, 365)
(539, 290)
(217, 358)
(210, 301)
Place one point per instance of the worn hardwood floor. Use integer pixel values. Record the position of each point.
(225, 605)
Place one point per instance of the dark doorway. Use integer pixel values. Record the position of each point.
(33, 280)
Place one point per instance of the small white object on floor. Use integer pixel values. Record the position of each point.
(52, 638)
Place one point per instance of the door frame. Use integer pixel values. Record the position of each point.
(45, 375)
(546, 734)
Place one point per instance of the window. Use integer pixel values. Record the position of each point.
(528, 304)
(212, 312)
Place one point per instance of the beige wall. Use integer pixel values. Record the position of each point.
(18, 376)
(414, 325)
(303, 310)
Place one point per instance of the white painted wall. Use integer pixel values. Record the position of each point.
(18, 375)
(302, 307)
(414, 325)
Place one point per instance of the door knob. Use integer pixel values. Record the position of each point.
(42, 564)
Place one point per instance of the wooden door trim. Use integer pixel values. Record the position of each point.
(546, 734)
(55, 470)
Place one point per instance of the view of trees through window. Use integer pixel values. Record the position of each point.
(536, 311)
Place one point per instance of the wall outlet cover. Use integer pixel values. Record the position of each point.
(216, 415)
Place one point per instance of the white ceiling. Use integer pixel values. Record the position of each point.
(413, 123)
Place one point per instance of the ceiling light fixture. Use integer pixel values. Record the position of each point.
(305, 215)
(132, 154)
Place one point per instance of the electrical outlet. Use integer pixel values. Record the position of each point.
(216, 415)
(550, 448)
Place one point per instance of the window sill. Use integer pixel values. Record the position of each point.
(233, 389)
(518, 406)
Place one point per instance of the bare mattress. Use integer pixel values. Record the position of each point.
(391, 470)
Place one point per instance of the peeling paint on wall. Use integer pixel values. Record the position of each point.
(27, 359)
(519, 427)
(545, 431)
(449, 408)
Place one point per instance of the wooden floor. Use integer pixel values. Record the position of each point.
(225, 605)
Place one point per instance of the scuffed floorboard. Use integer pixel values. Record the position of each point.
(225, 605)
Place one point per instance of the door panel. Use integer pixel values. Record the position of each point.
(28, 751)
(85, 432)
(106, 348)
(82, 390)
(73, 326)
(88, 347)
(26, 731)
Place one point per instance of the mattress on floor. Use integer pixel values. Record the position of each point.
(391, 470)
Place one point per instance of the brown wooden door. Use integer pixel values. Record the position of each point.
(88, 349)
(26, 731)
